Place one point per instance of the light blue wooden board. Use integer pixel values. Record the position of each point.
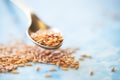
(90, 25)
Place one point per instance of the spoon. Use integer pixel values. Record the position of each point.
(35, 24)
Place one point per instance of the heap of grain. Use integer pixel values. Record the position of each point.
(20, 54)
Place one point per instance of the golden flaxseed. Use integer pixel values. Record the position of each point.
(19, 55)
(91, 72)
(14, 72)
(52, 69)
(86, 55)
(37, 68)
(58, 63)
(28, 64)
(113, 69)
(81, 59)
(21, 65)
(48, 75)
(65, 68)
(47, 37)
(77, 67)
(35, 60)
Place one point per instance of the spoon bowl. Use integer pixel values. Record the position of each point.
(35, 24)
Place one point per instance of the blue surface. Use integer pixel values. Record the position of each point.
(91, 25)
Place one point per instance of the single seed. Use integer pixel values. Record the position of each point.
(37, 68)
(3, 70)
(76, 63)
(58, 63)
(35, 60)
(52, 63)
(14, 72)
(81, 58)
(77, 66)
(52, 69)
(89, 56)
(48, 75)
(91, 72)
(86, 55)
(64, 68)
(21, 65)
(113, 69)
(28, 64)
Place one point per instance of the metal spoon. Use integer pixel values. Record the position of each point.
(34, 24)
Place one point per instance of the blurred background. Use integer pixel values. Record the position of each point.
(91, 25)
(80, 19)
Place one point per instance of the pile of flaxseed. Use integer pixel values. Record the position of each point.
(47, 37)
(20, 54)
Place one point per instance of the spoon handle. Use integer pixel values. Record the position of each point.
(24, 8)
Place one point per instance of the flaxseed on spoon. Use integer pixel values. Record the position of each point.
(47, 37)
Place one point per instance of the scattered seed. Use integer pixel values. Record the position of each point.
(35, 60)
(81, 58)
(58, 63)
(37, 68)
(89, 56)
(20, 54)
(52, 69)
(91, 72)
(64, 68)
(28, 64)
(3, 70)
(21, 65)
(14, 72)
(77, 66)
(48, 75)
(113, 69)
(52, 63)
(86, 55)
